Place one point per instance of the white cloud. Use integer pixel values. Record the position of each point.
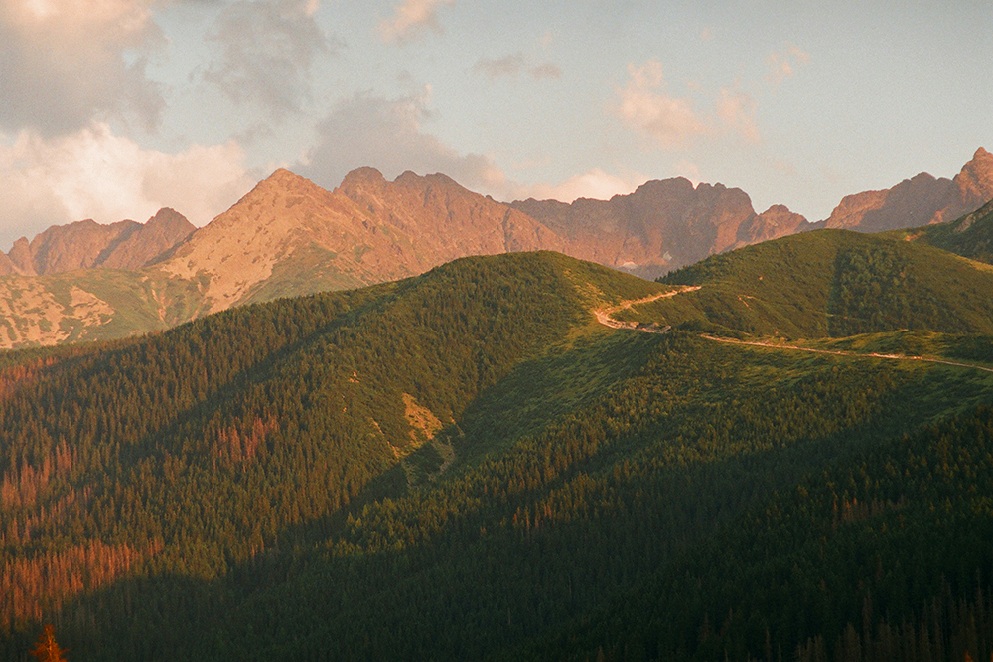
(513, 65)
(267, 51)
(388, 134)
(736, 110)
(784, 64)
(509, 65)
(672, 121)
(644, 106)
(96, 174)
(411, 18)
(64, 62)
(595, 184)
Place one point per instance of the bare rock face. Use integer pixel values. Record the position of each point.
(6, 266)
(368, 230)
(910, 203)
(919, 201)
(663, 225)
(77, 245)
(240, 247)
(776, 221)
(973, 187)
(87, 244)
(158, 235)
(20, 257)
(442, 219)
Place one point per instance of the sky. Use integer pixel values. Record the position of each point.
(112, 109)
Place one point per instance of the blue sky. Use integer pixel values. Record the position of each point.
(114, 108)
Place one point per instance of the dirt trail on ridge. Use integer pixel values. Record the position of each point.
(604, 317)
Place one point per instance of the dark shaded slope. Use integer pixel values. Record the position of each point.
(704, 501)
(184, 453)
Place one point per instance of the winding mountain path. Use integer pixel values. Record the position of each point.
(605, 317)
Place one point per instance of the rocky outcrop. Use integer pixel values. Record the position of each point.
(776, 221)
(973, 187)
(87, 244)
(63, 248)
(662, 226)
(368, 230)
(158, 235)
(919, 201)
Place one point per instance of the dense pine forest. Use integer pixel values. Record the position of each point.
(466, 465)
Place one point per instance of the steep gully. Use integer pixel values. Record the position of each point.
(605, 317)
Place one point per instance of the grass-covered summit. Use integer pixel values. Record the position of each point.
(832, 283)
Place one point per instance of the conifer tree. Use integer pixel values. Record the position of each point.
(47, 649)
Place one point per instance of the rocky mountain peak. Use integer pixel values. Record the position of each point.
(281, 182)
(361, 179)
(168, 217)
(160, 234)
(79, 245)
(671, 186)
(976, 177)
(776, 221)
(413, 180)
(87, 244)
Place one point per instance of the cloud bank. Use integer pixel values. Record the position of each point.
(388, 134)
(644, 106)
(64, 62)
(785, 63)
(595, 183)
(96, 174)
(513, 65)
(672, 121)
(267, 52)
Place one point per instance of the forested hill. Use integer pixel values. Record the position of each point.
(834, 283)
(189, 452)
(466, 465)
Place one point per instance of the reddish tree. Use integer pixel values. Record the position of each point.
(47, 649)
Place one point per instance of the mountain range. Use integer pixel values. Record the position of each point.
(921, 200)
(90, 245)
(290, 237)
(781, 452)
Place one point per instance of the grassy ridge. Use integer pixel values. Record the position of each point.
(830, 283)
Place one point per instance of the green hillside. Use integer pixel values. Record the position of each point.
(465, 465)
(831, 283)
(970, 236)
